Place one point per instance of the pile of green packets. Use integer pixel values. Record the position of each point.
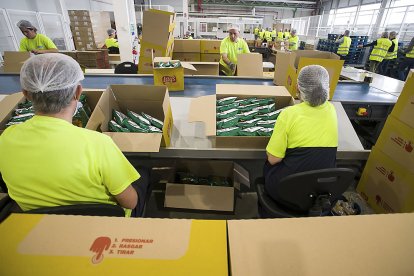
(25, 111)
(211, 180)
(134, 122)
(168, 64)
(246, 117)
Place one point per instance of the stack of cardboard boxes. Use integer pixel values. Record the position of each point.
(94, 59)
(187, 49)
(81, 26)
(210, 50)
(157, 38)
(387, 182)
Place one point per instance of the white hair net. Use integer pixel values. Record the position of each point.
(233, 27)
(25, 24)
(313, 84)
(50, 72)
(110, 31)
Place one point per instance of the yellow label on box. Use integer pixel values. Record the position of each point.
(404, 108)
(167, 128)
(173, 78)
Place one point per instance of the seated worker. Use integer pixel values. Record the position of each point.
(305, 136)
(111, 41)
(230, 47)
(188, 35)
(47, 161)
(34, 42)
(293, 40)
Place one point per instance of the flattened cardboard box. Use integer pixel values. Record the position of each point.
(404, 108)
(387, 186)
(363, 245)
(210, 46)
(151, 99)
(250, 65)
(83, 245)
(187, 45)
(158, 26)
(203, 109)
(203, 68)
(205, 197)
(173, 78)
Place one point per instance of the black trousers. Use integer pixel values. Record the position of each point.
(142, 186)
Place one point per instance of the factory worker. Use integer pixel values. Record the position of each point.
(34, 42)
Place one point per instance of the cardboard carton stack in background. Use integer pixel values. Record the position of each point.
(387, 182)
(13, 61)
(81, 26)
(210, 50)
(94, 59)
(157, 38)
(187, 49)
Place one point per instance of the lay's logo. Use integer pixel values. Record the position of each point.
(169, 79)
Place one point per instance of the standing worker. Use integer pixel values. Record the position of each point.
(293, 40)
(34, 42)
(407, 62)
(262, 33)
(391, 55)
(344, 44)
(111, 41)
(230, 47)
(274, 34)
(268, 35)
(286, 34)
(280, 35)
(381, 46)
(256, 33)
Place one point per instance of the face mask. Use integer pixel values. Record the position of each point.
(78, 105)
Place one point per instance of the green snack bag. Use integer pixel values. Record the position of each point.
(221, 108)
(139, 120)
(133, 127)
(249, 123)
(153, 129)
(86, 107)
(251, 131)
(228, 122)
(25, 104)
(21, 117)
(226, 101)
(248, 115)
(246, 101)
(227, 114)
(186, 178)
(82, 98)
(267, 123)
(264, 101)
(270, 116)
(13, 123)
(155, 122)
(119, 117)
(218, 181)
(249, 107)
(265, 131)
(231, 131)
(80, 118)
(114, 127)
(21, 111)
(266, 108)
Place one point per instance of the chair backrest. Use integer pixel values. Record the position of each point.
(126, 68)
(299, 191)
(113, 50)
(82, 210)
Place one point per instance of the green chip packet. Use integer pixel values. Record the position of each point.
(228, 122)
(266, 108)
(251, 131)
(138, 119)
(231, 131)
(264, 101)
(266, 123)
(119, 117)
(221, 108)
(246, 101)
(227, 114)
(226, 101)
(155, 122)
(265, 131)
(248, 115)
(249, 107)
(249, 123)
(133, 127)
(115, 127)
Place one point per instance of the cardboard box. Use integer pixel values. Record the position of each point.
(205, 197)
(186, 56)
(151, 99)
(387, 186)
(72, 54)
(404, 108)
(187, 45)
(13, 61)
(83, 245)
(347, 245)
(173, 78)
(289, 64)
(250, 65)
(79, 18)
(203, 68)
(78, 12)
(81, 24)
(210, 57)
(158, 27)
(81, 29)
(203, 109)
(210, 46)
(85, 39)
(397, 141)
(150, 49)
(145, 65)
(410, 74)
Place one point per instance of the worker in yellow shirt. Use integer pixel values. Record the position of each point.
(280, 35)
(262, 34)
(286, 34)
(293, 40)
(256, 33)
(274, 34)
(230, 47)
(381, 46)
(188, 35)
(34, 42)
(344, 42)
(268, 34)
(111, 41)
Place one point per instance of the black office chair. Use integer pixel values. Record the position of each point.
(113, 50)
(98, 209)
(311, 193)
(126, 68)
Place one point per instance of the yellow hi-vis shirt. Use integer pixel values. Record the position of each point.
(380, 50)
(256, 31)
(286, 34)
(111, 42)
(39, 42)
(274, 33)
(232, 49)
(49, 162)
(343, 48)
(394, 54)
(304, 126)
(293, 42)
(280, 35)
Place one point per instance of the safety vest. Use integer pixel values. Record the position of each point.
(280, 35)
(274, 33)
(410, 54)
(293, 42)
(287, 34)
(393, 55)
(380, 50)
(256, 31)
(343, 49)
(261, 34)
(268, 35)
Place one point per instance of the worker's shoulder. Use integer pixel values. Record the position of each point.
(92, 135)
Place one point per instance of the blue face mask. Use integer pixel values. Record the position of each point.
(78, 105)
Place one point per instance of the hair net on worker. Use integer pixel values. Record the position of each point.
(110, 31)
(25, 24)
(50, 72)
(313, 84)
(233, 27)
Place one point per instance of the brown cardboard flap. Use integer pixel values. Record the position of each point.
(251, 90)
(188, 65)
(136, 142)
(7, 105)
(250, 65)
(200, 197)
(203, 109)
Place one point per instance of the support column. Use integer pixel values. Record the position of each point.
(126, 27)
(377, 25)
(185, 17)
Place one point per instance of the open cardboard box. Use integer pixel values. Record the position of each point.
(289, 64)
(250, 65)
(189, 57)
(203, 109)
(210, 57)
(10, 102)
(404, 108)
(151, 99)
(13, 61)
(203, 68)
(173, 78)
(205, 197)
(86, 245)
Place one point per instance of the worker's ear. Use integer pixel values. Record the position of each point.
(27, 95)
(78, 92)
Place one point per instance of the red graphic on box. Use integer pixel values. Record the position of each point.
(408, 147)
(402, 143)
(100, 245)
(390, 175)
(169, 79)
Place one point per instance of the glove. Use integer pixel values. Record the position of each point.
(232, 66)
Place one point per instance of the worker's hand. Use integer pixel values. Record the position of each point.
(360, 46)
(232, 66)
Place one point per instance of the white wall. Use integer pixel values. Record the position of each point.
(176, 4)
(51, 6)
(91, 5)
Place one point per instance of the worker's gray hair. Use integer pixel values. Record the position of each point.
(347, 32)
(293, 31)
(110, 31)
(313, 84)
(393, 33)
(384, 35)
(52, 102)
(24, 24)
